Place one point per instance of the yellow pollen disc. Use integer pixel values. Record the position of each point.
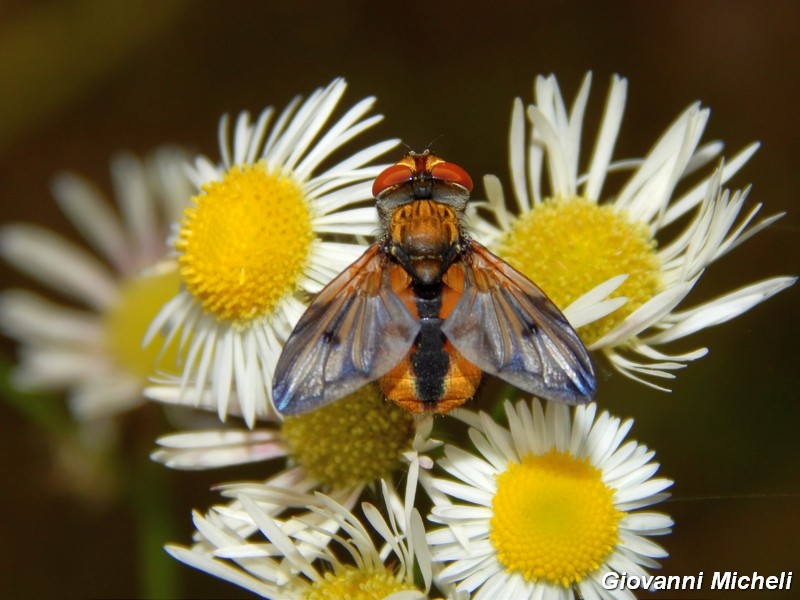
(567, 246)
(245, 243)
(554, 519)
(354, 440)
(357, 584)
(139, 301)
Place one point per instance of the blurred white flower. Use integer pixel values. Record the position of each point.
(96, 354)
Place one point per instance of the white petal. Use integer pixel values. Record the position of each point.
(573, 133)
(649, 352)
(211, 438)
(356, 221)
(643, 546)
(357, 165)
(655, 174)
(32, 318)
(644, 316)
(105, 396)
(308, 122)
(595, 304)
(58, 264)
(135, 201)
(91, 214)
(720, 310)
(341, 132)
(558, 167)
(646, 522)
(640, 492)
(494, 193)
(49, 367)
(464, 492)
(689, 200)
(609, 130)
(257, 135)
(223, 570)
(274, 534)
(516, 152)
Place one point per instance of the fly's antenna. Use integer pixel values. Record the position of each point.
(411, 152)
(433, 141)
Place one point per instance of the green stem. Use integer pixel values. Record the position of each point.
(45, 409)
(151, 498)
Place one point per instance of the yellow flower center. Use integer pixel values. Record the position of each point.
(139, 301)
(351, 441)
(554, 519)
(570, 245)
(245, 243)
(357, 584)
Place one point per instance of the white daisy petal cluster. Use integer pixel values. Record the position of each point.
(215, 448)
(265, 231)
(93, 353)
(711, 235)
(322, 451)
(648, 202)
(527, 516)
(246, 544)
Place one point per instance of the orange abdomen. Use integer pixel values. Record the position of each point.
(459, 384)
(434, 376)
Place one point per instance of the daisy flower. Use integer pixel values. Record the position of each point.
(547, 506)
(340, 448)
(95, 353)
(259, 237)
(575, 237)
(296, 558)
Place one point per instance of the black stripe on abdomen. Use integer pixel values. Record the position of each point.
(429, 360)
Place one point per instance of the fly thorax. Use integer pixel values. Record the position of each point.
(425, 238)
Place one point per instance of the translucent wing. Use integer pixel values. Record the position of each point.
(508, 327)
(354, 331)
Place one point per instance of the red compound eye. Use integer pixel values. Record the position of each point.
(447, 171)
(391, 176)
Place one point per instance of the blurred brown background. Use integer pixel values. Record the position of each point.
(83, 79)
